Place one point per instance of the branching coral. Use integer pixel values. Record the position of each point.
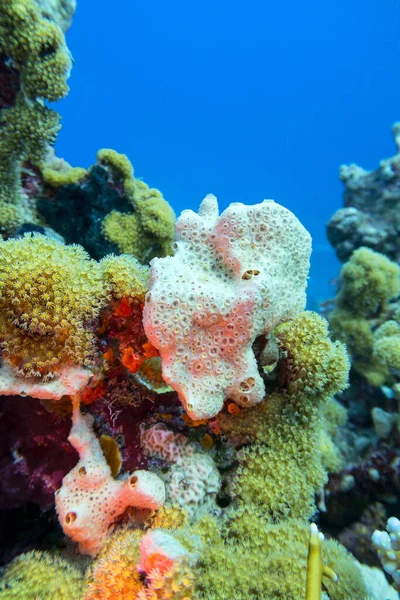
(36, 48)
(41, 575)
(387, 544)
(148, 230)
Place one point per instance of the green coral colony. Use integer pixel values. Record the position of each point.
(244, 427)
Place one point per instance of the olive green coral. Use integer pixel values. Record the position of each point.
(368, 281)
(260, 551)
(49, 294)
(41, 575)
(35, 48)
(146, 232)
(126, 276)
(366, 302)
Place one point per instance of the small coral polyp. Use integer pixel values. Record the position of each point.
(49, 296)
(233, 277)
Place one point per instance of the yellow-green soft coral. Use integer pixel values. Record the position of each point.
(35, 48)
(149, 230)
(369, 283)
(127, 277)
(260, 550)
(41, 575)
(49, 295)
(50, 298)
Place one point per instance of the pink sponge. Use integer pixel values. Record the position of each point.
(90, 499)
(233, 277)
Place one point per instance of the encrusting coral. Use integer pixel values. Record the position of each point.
(35, 49)
(370, 217)
(232, 278)
(41, 575)
(147, 231)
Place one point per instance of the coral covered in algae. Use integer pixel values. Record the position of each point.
(147, 231)
(35, 48)
(366, 315)
(41, 575)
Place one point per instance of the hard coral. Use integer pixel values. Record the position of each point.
(233, 277)
(41, 575)
(49, 295)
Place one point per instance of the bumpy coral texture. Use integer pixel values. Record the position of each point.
(49, 294)
(232, 278)
(41, 575)
(366, 315)
(117, 573)
(148, 230)
(59, 11)
(193, 481)
(260, 548)
(285, 429)
(36, 47)
(127, 277)
(90, 499)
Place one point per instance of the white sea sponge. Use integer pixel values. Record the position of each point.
(90, 499)
(162, 442)
(193, 480)
(232, 278)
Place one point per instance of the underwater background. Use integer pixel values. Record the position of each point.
(199, 386)
(247, 101)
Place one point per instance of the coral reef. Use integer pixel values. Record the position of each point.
(387, 544)
(371, 214)
(207, 449)
(193, 480)
(232, 278)
(365, 314)
(109, 209)
(41, 575)
(34, 56)
(90, 499)
(44, 321)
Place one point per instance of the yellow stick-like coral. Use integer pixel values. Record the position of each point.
(315, 567)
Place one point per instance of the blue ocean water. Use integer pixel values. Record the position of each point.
(247, 100)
